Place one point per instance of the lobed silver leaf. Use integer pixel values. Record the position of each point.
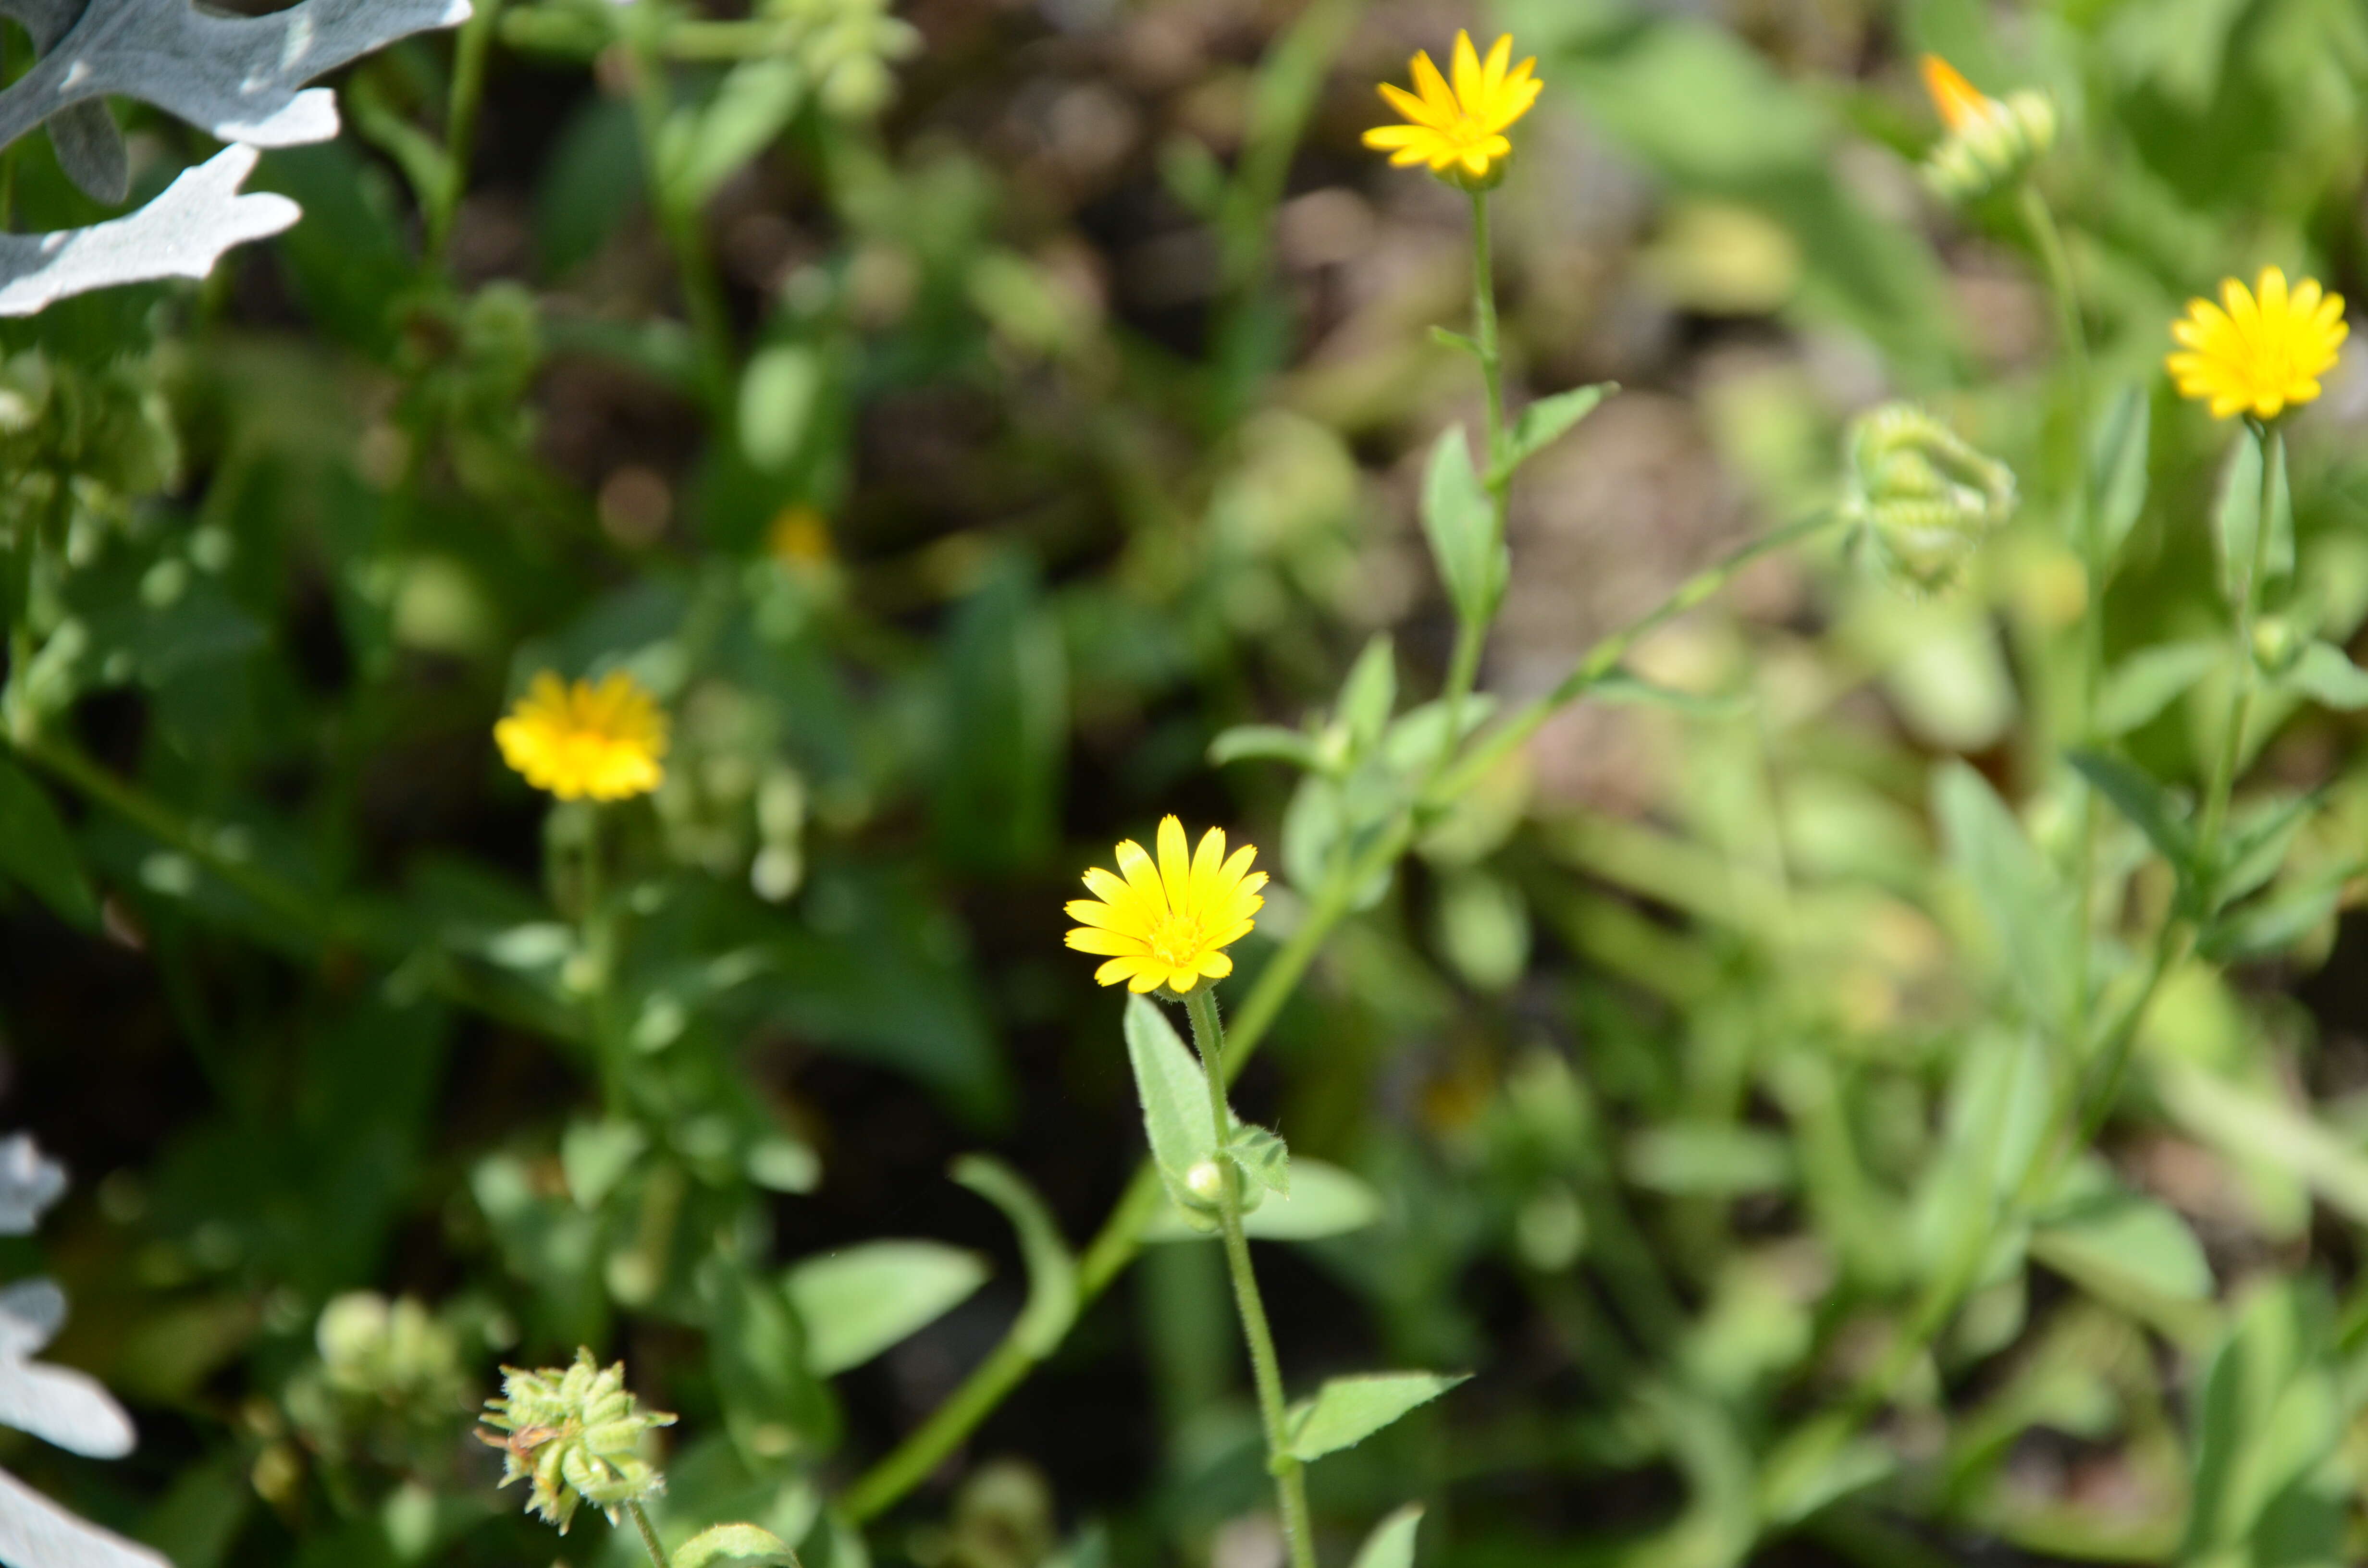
(37, 1533)
(180, 234)
(61, 1405)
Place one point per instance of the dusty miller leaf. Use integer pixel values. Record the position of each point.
(36, 1532)
(180, 234)
(29, 1183)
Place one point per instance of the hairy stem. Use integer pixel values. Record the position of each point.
(649, 1536)
(2222, 784)
(1266, 1368)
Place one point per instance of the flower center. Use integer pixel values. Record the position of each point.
(1465, 129)
(1178, 940)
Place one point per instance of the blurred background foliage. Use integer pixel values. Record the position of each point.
(959, 415)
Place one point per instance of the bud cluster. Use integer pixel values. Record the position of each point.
(1992, 147)
(576, 1435)
(1923, 499)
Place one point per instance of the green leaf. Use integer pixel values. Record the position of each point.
(595, 1155)
(1052, 1269)
(1346, 1411)
(2118, 464)
(1174, 1089)
(1261, 1156)
(1549, 419)
(1325, 1201)
(859, 1302)
(1244, 741)
(2145, 802)
(2267, 1416)
(2149, 680)
(1622, 687)
(1461, 523)
(699, 150)
(2028, 910)
(1369, 695)
(1392, 1543)
(2275, 925)
(779, 392)
(2123, 1247)
(1708, 1158)
(1455, 340)
(2326, 674)
(729, 1540)
(2239, 520)
(36, 850)
(2257, 840)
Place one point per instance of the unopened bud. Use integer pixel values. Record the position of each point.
(2276, 644)
(1996, 145)
(1923, 500)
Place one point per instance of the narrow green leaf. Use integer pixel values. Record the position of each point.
(1455, 340)
(2271, 926)
(1392, 1543)
(2257, 840)
(1622, 687)
(2238, 519)
(1346, 1411)
(1261, 1156)
(2150, 679)
(700, 149)
(1174, 1090)
(2145, 803)
(2119, 465)
(2326, 674)
(1461, 523)
(857, 1301)
(2028, 910)
(730, 1540)
(1549, 419)
(1370, 694)
(1272, 742)
(1052, 1269)
(1325, 1201)
(35, 849)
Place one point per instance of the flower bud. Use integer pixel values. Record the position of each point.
(2277, 645)
(576, 1435)
(1987, 142)
(1921, 498)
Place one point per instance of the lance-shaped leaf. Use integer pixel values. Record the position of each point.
(240, 78)
(180, 234)
(1346, 1411)
(1392, 1543)
(857, 1301)
(1177, 1116)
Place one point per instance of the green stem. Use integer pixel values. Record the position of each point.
(678, 220)
(1266, 1368)
(470, 53)
(649, 1536)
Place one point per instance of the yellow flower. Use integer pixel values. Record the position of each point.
(586, 742)
(798, 535)
(1960, 103)
(2257, 352)
(1168, 924)
(1462, 128)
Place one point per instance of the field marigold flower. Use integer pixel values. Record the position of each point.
(2260, 351)
(1459, 131)
(1168, 924)
(586, 742)
(1989, 142)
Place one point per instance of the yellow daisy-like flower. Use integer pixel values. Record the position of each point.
(1168, 924)
(1460, 128)
(2258, 351)
(586, 742)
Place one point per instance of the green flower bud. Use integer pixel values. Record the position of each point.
(2277, 644)
(576, 1435)
(1993, 148)
(1922, 499)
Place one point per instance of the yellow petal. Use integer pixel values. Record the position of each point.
(1492, 72)
(1215, 965)
(1086, 939)
(1207, 861)
(1141, 877)
(1416, 111)
(1175, 865)
(1434, 90)
(1468, 80)
(1117, 969)
(1145, 981)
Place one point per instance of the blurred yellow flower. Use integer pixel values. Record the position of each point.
(586, 742)
(798, 535)
(1168, 924)
(2258, 351)
(1460, 128)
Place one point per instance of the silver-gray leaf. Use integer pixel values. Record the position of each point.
(29, 1181)
(241, 78)
(180, 234)
(61, 1405)
(37, 1533)
(32, 1312)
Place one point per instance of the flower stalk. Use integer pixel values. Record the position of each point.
(1265, 1369)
